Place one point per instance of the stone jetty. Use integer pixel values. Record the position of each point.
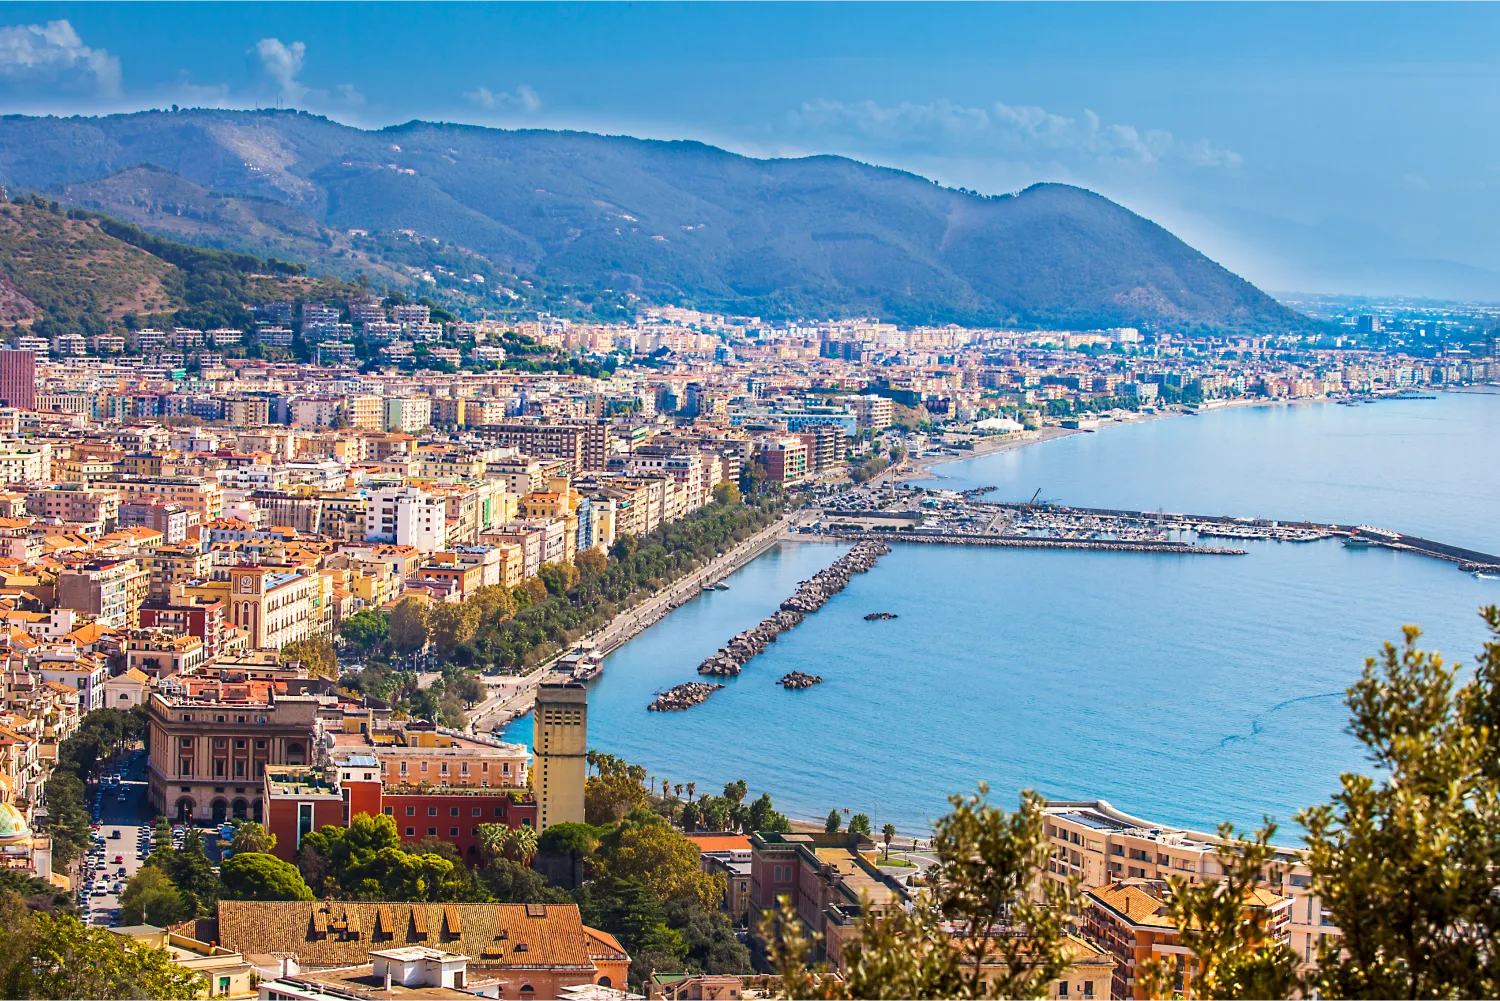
(811, 596)
(880, 616)
(685, 696)
(797, 680)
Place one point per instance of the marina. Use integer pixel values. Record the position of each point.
(960, 518)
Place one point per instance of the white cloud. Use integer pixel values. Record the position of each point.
(524, 99)
(282, 64)
(1015, 130)
(53, 54)
(345, 93)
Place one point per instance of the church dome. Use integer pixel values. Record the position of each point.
(12, 824)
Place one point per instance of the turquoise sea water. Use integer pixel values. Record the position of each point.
(1186, 689)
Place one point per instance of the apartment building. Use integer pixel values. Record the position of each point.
(110, 590)
(161, 653)
(1129, 920)
(210, 746)
(201, 496)
(407, 414)
(407, 516)
(785, 460)
(1097, 844)
(77, 502)
(584, 447)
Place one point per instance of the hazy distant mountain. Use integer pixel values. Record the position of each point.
(671, 221)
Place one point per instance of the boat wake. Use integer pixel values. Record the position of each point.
(1255, 725)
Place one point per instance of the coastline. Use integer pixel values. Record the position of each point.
(517, 693)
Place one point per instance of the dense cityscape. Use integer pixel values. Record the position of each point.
(740, 502)
(314, 590)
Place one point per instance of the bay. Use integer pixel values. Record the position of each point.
(1185, 689)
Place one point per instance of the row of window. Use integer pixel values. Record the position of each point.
(432, 811)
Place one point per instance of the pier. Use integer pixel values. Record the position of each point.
(939, 517)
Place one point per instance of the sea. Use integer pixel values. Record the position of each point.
(1189, 690)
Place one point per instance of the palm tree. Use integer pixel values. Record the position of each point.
(678, 788)
(691, 787)
(492, 838)
(888, 832)
(520, 844)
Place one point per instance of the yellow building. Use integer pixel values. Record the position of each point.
(273, 605)
(365, 413)
(560, 745)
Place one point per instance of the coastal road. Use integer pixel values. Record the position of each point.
(514, 696)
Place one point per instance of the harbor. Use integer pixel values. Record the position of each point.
(943, 517)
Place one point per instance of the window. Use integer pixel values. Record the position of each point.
(499, 811)
(452, 811)
(1088, 988)
(403, 768)
(444, 768)
(423, 766)
(260, 745)
(452, 832)
(304, 820)
(389, 811)
(239, 745)
(463, 769)
(432, 811)
(432, 831)
(476, 811)
(240, 719)
(473, 832)
(411, 832)
(1062, 988)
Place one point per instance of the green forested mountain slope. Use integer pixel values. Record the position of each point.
(669, 221)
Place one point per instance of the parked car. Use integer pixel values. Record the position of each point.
(114, 834)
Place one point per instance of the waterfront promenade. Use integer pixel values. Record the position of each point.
(514, 696)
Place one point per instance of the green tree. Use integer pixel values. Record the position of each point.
(316, 654)
(617, 788)
(888, 834)
(591, 564)
(627, 909)
(762, 816)
(250, 836)
(366, 630)
(977, 932)
(190, 870)
(451, 625)
(833, 823)
(860, 824)
(151, 897)
(727, 493)
(409, 625)
(1408, 865)
(58, 956)
(257, 876)
(646, 849)
(512, 883)
(1225, 924)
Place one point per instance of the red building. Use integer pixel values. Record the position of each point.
(304, 799)
(204, 620)
(18, 378)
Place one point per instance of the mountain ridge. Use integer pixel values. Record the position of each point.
(665, 220)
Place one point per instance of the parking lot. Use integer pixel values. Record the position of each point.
(121, 841)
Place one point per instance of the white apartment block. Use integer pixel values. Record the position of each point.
(407, 517)
(407, 414)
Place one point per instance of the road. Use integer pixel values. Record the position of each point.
(124, 809)
(514, 696)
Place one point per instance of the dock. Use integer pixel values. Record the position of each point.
(948, 518)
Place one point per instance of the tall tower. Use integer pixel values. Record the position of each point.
(560, 743)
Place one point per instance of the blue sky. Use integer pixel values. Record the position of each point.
(1341, 147)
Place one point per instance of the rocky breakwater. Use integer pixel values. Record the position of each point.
(797, 680)
(811, 596)
(680, 697)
